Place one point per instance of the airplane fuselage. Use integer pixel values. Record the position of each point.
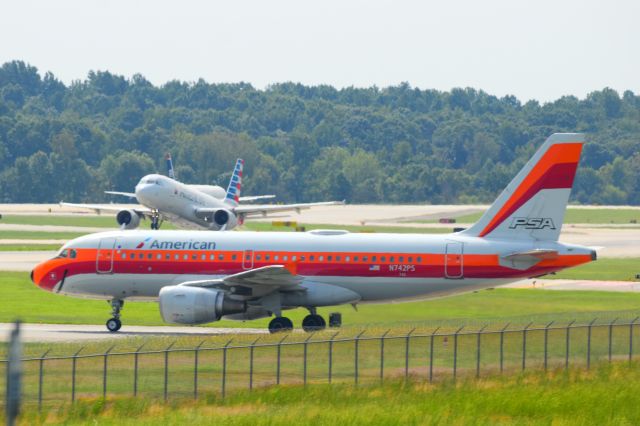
(378, 267)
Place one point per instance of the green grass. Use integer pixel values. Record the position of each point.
(28, 247)
(39, 235)
(605, 269)
(32, 304)
(581, 216)
(606, 395)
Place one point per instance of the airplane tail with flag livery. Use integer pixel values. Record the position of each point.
(235, 184)
(533, 205)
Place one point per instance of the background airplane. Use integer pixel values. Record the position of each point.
(200, 277)
(191, 206)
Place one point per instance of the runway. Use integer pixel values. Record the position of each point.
(76, 333)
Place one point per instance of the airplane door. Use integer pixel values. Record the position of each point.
(247, 259)
(453, 260)
(104, 257)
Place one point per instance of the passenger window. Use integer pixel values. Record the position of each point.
(383, 259)
(124, 255)
(347, 258)
(141, 256)
(167, 256)
(355, 258)
(311, 258)
(320, 258)
(392, 259)
(132, 256)
(401, 259)
(221, 257)
(294, 258)
(285, 258)
(194, 257)
(234, 257)
(258, 257)
(302, 258)
(158, 256)
(364, 258)
(338, 258)
(275, 257)
(329, 258)
(212, 257)
(373, 258)
(185, 257)
(419, 259)
(410, 259)
(266, 257)
(176, 256)
(203, 257)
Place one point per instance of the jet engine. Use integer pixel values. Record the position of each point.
(224, 219)
(128, 219)
(196, 305)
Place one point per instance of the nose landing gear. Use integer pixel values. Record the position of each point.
(114, 324)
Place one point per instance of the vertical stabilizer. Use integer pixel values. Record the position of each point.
(235, 184)
(170, 171)
(533, 205)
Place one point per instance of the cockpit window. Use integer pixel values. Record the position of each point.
(72, 254)
(64, 253)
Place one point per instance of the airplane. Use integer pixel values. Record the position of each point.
(201, 277)
(191, 206)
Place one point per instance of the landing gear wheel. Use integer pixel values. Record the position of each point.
(155, 220)
(279, 324)
(114, 325)
(313, 323)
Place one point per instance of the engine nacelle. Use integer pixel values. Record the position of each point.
(128, 219)
(225, 218)
(196, 305)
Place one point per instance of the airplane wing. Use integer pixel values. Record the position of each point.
(255, 197)
(99, 208)
(270, 277)
(254, 210)
(126, 194)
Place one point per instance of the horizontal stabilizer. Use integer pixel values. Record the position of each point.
(526, 259)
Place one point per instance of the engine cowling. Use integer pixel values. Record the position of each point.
(128, 219)
(196, 305)
(225, 218)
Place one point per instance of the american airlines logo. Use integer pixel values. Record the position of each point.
(183, 245)
(532, 223)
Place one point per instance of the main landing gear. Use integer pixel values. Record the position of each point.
(114, 324)
(310, 323)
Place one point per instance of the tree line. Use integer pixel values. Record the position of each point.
(397, 144)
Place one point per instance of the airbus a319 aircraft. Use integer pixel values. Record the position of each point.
(191, 206)
(201, 277)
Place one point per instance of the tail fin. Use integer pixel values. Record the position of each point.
(235, 184)
(170, 171)
(532, 206)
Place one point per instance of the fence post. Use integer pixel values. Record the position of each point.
(104, 373)
(431, 354)
(74, 361)
(478, 350)
(278, 360)
(166, 370)
(566, 355)
(196, 353)
(502, 346)
(304, 368)
(382, 355)
(611, 336)
(631, 338)
(253, 345)
(355, 359)
(331, 355)
(224, 367)
(135, 369)
(524, 345)
(546, 341)
(589, 343)
(455, 351)
(40, 376)
(406, 354)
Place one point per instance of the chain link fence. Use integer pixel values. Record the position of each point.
(323, 358)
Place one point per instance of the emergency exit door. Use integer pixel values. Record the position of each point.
(454, 260)
(104, 258)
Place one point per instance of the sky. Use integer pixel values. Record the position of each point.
(541, 49)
